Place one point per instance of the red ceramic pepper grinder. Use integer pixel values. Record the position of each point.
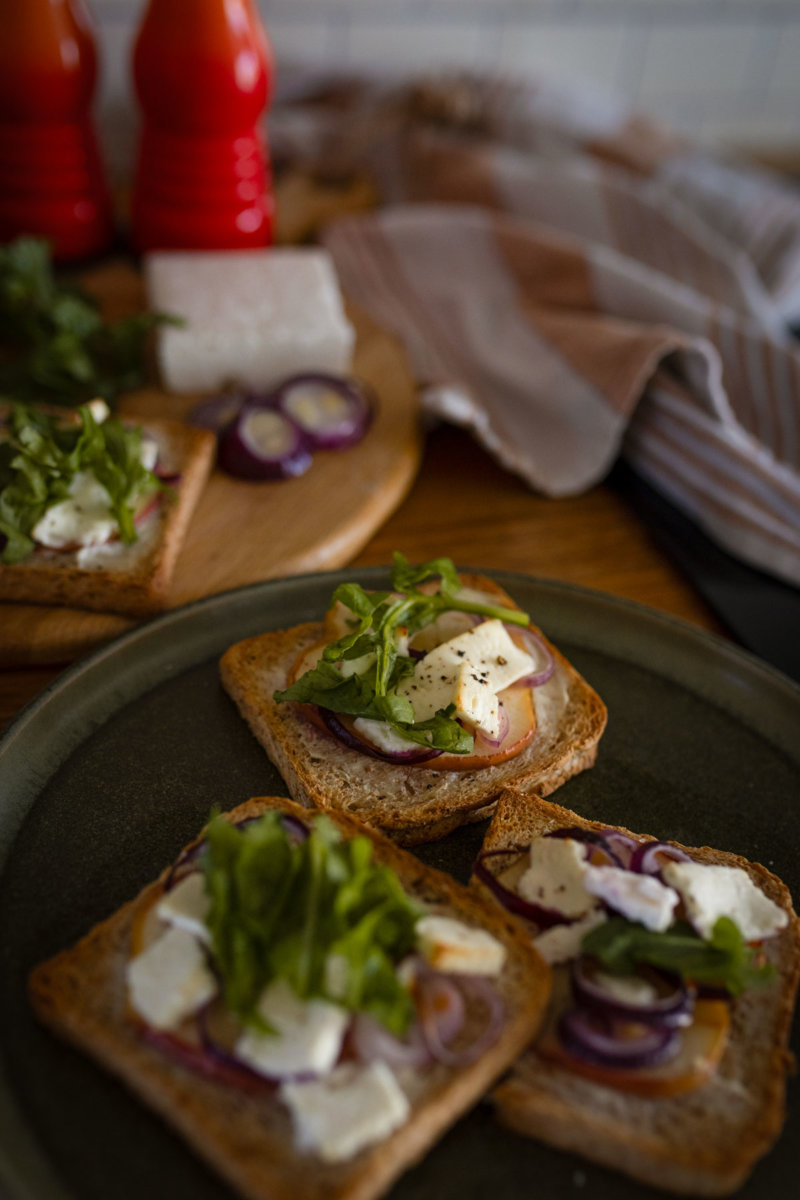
(51, 179)
(203, 74)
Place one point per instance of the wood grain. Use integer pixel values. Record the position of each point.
(244, 532)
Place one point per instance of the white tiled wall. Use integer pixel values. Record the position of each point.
(726, 71)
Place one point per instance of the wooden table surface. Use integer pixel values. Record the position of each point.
(464, 505)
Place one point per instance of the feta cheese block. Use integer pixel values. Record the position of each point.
(186, 906)
(352, 1107)
(307, 1039)
(170, 980)
(560, 943)
(251, 317)
(641, 898)
(710, 891)
(556, 877)
(450, 945)
(468, 671)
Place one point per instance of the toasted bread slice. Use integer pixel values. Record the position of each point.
(412, 804)
(702, 1142)
(132, 580)
(80, 995)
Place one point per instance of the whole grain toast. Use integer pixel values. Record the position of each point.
(134, 579)
(80, 995)
(702, 1142)
(411, 804)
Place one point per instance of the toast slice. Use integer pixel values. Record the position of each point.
(702, 1142)
(247, 1137)
(410, 804)
(129, 579)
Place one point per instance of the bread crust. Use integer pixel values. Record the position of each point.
(704, 1142)
(410, 804)
(247, 1138)
(137, 584)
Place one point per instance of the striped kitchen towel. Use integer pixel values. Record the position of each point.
(571, 283)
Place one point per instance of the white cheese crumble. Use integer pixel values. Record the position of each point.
(307, 1039)
(468, 671)
(641, 898)
(560, 943)
(170, 980)
(555, 877)
(450, 945)
(186, 905)
(710, 891)
(82, 518)
(350, 1109)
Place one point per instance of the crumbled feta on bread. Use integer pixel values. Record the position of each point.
(351, 1108)
(170, 980)
(560, 943)
(468, 671)
(450, 945)
(307, 1039)
(556, 877)
(252, 317)
(187, 905)
(710, 891)
(641, 898)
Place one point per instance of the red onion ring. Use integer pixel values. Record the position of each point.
(544, 918)
(222, 1068)
(538, 649)
(674, 1007)
(370, 1040)
(415, 754)
(596, 1041)
(623, 845)
(645, 858)
(358, 402)
(432, 988)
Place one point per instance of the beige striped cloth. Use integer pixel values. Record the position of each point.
(573, 284)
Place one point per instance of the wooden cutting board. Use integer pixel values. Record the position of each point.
(244, 532)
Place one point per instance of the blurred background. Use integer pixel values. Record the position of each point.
(724, 71)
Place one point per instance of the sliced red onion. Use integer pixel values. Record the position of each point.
(261, 444)
(371, 1040)
(673, 1006)
(171, 478)
(645, 860)
(544, 918)
(296, 828)
(414, 754)
(594, 1040)
(435, 991)
(332, 411)
(214, 1025)
(219, 411)
(207, 1061)
(591, 837)
(538, 650)
(623, 845)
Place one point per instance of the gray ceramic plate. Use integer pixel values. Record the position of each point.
(117, 765)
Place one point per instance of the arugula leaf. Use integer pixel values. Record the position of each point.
(279, 909)
(725, 960)
(43, 455)
(54, 344)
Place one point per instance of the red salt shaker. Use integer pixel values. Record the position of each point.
(51, 178)
(203, 75)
